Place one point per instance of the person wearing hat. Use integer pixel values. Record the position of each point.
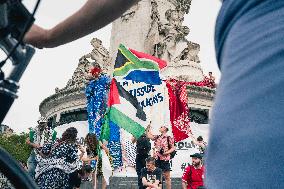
(202, 145)
(164, 146)
(193, 175)
(34, 140)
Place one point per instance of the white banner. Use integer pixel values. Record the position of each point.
(154, 100)
(186, 147)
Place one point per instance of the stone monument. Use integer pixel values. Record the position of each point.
(154, 27)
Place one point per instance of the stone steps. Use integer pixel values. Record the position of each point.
(126, 183)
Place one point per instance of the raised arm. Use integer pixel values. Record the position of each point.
(36, 146)
(94, 15)
(148, 133)
(195, 141)
(133, 140)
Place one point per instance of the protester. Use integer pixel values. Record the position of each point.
(93, 148)
(248, 41)
(57, 161)
(151, 175)
(143, 147)
(199, 142)
(193, 175)
(164, 145)
(34, 141)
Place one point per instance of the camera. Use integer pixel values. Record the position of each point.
(161, 151)
(14, 18)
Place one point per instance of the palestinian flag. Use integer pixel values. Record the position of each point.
(125, 111)
(143, 69)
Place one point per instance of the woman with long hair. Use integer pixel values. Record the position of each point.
(93, 148)
(57, 161)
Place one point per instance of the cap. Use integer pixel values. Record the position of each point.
(197, 155)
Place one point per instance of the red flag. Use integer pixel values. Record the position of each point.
(179, 111)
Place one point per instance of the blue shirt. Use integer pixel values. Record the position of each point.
(246, 147)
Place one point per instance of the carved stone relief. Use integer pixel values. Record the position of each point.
(129, 13)
(99, 54)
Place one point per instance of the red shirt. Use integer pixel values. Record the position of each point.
(193, 177)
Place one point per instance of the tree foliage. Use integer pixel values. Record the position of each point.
(16, 146)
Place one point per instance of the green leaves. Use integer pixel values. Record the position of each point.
(16, 146)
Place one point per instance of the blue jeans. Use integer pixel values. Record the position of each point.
(32, 163)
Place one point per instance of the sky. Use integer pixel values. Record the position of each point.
(51, 68)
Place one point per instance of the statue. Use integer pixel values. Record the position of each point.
(190, 53)
(129, 13)
(99, 54)
(153, 36)
(173, 34)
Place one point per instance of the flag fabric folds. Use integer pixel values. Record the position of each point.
(125, 111)
(161, 63)
(179, 112)
(144, 69)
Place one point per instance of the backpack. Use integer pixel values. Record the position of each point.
(143, 145)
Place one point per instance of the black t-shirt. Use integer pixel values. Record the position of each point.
(143, 145)
(152, 176)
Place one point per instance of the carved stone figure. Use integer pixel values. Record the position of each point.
(183, 5)
(99, 54)
(190, 53)
(153, 36)
(172, 35)
(129, 13)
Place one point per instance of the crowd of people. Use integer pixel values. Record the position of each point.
(153, 168)
(57, 164)
(249, 52)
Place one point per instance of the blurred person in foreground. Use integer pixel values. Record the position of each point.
(249, 50)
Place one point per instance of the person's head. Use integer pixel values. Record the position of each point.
(164, 129)
(150, 163)
(91, 141)
(199, 139)
(196, 159)
(210, 73)
(69, 135)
